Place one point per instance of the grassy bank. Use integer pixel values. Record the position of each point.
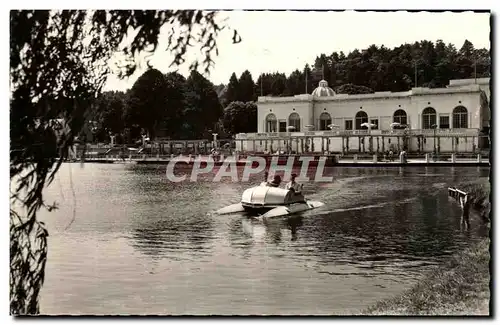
(460, 287)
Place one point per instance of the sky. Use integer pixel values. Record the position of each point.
(286, 40)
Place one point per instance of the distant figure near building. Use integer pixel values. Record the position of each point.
(465, 203)
(402, 157)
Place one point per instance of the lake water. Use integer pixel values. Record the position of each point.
(127, 241)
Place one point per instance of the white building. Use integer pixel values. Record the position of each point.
(443, 119)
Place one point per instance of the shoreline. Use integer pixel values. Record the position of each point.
(313, 163)
(460, 287)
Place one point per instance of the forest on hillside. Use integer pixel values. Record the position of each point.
(169, 105)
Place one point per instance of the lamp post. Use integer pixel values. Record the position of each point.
(290, 129)
(112, 138)
(434, 126)
(143, 136)
(331, 127)
(369, 126)
(215, 140)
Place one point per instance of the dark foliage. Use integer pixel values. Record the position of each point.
(58, 65)
(378, 69)
(240, 117)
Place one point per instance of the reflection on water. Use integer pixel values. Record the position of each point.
(140, 244)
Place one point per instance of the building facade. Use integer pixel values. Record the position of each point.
(451, 119)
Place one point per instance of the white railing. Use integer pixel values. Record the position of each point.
(424, 132)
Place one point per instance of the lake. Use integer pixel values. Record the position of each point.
(125, 240)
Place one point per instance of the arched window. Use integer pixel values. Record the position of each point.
(460, 118)
(324, 120)
(271, 123)
(361, 117)
(294, 120)
(428, 118)
(400, 117)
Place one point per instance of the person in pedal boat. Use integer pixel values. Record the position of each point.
(265, 182)
(275, 182)
(293, 185)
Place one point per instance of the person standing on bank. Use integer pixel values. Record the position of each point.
(465, 203)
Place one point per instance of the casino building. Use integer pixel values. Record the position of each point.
(451, 119)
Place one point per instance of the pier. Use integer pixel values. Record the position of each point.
(298, 160)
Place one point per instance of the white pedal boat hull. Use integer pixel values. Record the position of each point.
(291, 209)
(269, 202)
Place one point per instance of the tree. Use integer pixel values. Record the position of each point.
(147, 102)
(308, 79)
(240, 117)
(222, 94)
(246, 87)
(108, 114)
(295, 83)
(203, 108)
(279, 84)
(232, 91)
(59, 61)
(263, 85)
(351, 89)
(176, 102)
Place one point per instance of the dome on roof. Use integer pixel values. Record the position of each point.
(323, 90)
